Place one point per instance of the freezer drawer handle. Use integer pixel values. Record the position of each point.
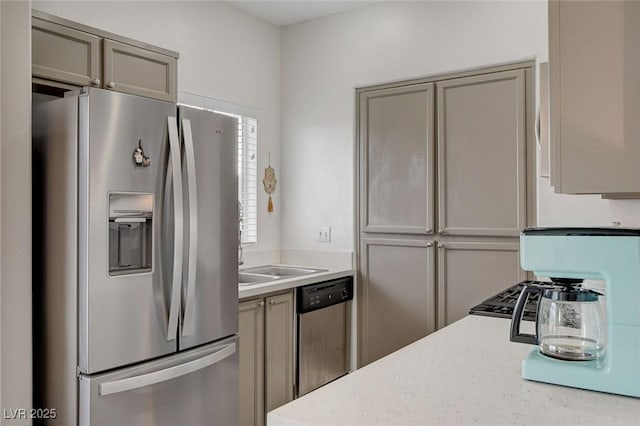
(148, 379)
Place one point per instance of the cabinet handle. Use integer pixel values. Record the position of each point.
(440, 245)
(440, 231)
(429, 245)
(272, 302)
(429, 230)
(111, 85)
(96, 82)
(261, 303)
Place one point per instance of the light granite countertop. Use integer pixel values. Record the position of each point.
(467, 373)
(255, 290)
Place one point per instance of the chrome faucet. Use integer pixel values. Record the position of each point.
(240, 221)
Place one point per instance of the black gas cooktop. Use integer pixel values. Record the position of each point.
(501, 305)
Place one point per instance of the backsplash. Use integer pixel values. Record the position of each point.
(260, 257)
(317, 258)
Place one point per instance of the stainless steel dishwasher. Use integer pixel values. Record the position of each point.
(323, 320)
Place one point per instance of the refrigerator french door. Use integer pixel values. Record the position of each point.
(137, 214)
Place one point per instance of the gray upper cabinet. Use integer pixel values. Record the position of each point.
(542, 125)
(397, 159)
(482, 155)
(138, 71)
(63, 54)
(67, 55)
(594, 64)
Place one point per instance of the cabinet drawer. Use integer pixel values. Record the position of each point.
(137, 71)
(63, 54)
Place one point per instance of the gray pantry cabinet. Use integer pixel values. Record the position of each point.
(481, 177)
(445, 185)
(266, 356)
(397, 159)
(594, 63)
(397, 294)
(67, 55)
(470, 272)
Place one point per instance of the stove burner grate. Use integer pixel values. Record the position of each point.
(501, 305)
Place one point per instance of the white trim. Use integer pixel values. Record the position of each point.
(212, 104)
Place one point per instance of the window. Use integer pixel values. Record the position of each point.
(248, 178)
(247, 157)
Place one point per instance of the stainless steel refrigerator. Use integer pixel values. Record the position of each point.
(135, 262)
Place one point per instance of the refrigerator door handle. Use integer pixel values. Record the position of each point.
(176, 280)
(192, 255)
(148, 379)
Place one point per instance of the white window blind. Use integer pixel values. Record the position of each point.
(248, 178)
(247, 157)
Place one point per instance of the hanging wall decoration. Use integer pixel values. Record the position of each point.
(269, 183)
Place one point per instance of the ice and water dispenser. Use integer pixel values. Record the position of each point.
(130, 233)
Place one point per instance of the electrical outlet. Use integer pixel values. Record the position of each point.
(323, 234)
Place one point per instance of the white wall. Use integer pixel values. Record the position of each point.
(325, 59)
(15, 207)
(225, 54)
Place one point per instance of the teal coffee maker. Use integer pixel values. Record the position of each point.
(578, 344)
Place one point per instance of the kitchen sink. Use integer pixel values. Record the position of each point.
(282, 271)
(262, 274)
(245, 278)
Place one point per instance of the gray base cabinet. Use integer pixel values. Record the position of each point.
(279, 350)
(251, 331)
(446, 182)
(266, 356)
(594, 63)
(66, 53)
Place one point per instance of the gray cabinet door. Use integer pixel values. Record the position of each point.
(481, 155)
(251, 388)
(138, 71)
(279, 350)
(397, 159)
(594, 63)
(471, 272)
(63, 54)
(397, 295)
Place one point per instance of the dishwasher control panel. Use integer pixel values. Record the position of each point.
(321, 295)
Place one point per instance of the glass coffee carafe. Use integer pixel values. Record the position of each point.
(569, 321)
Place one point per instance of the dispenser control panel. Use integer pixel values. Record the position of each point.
(321, 295)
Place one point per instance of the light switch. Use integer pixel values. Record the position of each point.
(323, 234)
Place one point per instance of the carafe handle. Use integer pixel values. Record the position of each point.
(516, 319)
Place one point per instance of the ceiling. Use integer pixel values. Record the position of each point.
(283, 13)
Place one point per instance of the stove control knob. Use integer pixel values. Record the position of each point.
(345, 293)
